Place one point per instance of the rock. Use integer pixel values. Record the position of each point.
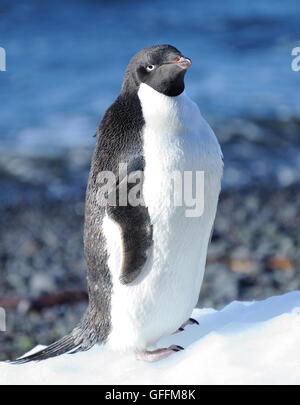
(280, 263)
(41, 282)
(245, 266)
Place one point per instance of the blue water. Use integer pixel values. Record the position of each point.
(66, 59)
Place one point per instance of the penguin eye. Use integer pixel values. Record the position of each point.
(149, 68)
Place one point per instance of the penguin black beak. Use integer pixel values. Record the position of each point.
(183, 62)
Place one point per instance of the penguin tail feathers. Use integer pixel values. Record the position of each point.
(72, 343)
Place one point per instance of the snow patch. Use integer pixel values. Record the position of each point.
(244, 343)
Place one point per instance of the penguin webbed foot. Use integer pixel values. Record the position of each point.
(190, 321)
(158, 354)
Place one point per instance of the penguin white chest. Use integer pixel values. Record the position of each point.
(176, 141)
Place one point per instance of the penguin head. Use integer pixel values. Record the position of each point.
(161, 67)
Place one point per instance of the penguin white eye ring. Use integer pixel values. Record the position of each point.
(146, 262)
(149, 68)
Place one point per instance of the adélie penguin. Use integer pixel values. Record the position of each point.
(146, 257)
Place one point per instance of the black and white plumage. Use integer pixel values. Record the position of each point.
(146, 263)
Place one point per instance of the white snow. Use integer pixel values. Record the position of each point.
(244, 343)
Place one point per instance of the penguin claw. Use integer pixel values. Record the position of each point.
(176, 348)
(190, 321)
(158, 354)
(181, 329)
(193, 321)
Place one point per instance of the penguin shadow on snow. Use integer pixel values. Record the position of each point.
(235, 317)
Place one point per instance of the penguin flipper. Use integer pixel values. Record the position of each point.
(137, 232)
(137, 239)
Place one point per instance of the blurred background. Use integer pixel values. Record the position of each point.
(65, 63)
